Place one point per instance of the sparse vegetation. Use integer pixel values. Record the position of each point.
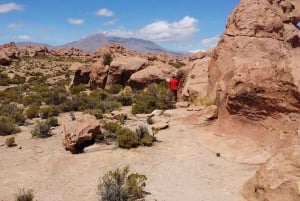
(107, 59)
(32, 111)
(144, 136)
(23, 195)
(7, 126)
(157, 96)
(127, 139)
(41, 130)
(119, 185)
(176, 64)
(10, 142)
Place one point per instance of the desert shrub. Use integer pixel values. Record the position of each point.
(23, 195)
(75, 89)
(152, 58)
(49, 111)
(107, 59)
(127, 139)
(17, 79)
(32, 111)
(98, 113)
(121, 118)
(125, 100)
(52, 122)
(15, 113)
(176, 64)
(111, 127)
(10, 142)
(115, 88)
(7, 126)
(41, 130)
(4, 79)
(32, 99)
(56, 95)
(144, 136)
(157, 96)
(13, 94)
(108, 106)
(119, 185)
(207, 101)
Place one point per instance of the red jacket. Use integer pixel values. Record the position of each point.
(173, 84)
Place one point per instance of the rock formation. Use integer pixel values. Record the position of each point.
(254, 71)
(254, 75)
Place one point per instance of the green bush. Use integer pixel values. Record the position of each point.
(32, 99)
(125, 100)
(17, 79)
(176, 64)
(41, 130)
(144, 136)
(98, 113)
(32, 111)
(77, 89)
(119, 185)
(4, 79)
(107, 59)
(127, 139)
(157, 96)
(52, 122)
(50, 111)
(15, 113)
(23, 195)
(115, 88)
(10, 142)
(7, 126)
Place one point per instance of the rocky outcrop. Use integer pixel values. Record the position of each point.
(122, 68)
(8, 52)
(276, 184)
(81, 133)
(195, 80)
(253, 71)
(81, 73)
(254, 75)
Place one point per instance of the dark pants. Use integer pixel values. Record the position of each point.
(174, 95)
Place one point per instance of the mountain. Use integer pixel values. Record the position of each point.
(93, 42)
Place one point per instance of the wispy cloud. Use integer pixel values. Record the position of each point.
(110, 22)
(211, 42)
(104, 12)
(76, 21)
(8, 7)
(14, 25)
(23, 37)
(162, 31)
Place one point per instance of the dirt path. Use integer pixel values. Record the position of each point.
(179, 168)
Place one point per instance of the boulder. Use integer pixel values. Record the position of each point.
(122, 68)
(145, 77)
(81, 133)
(276, 184)
(98, 75)
(82, 73)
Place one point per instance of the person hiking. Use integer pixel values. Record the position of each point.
(173, 84)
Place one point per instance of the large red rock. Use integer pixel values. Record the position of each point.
(81, 133)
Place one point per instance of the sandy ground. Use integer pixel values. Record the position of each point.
(182, 166)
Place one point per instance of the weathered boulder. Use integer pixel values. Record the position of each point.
(8, 52)
(98, 75)
(253, 72)
(145, 77)
(122, 68)
(4, 59)
(195, 80)
(81, 133)
(276, 184)
(81, 73)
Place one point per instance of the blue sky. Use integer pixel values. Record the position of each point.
(180, 25)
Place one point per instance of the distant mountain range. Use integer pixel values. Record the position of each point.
(93, 42)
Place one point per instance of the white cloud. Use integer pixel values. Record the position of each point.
(23, 37)
(5, 8)
(110, 22)
(210, 41)
(14, 26)
(162, 31)
(76, 21)
(104, 12)
(165, 32)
